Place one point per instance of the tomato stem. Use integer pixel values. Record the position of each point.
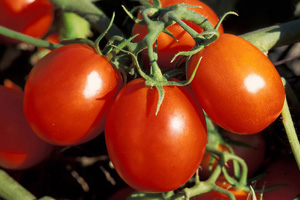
(290, 130)
(27, 39)
(223, 18)
(11, 189)
(101, 36)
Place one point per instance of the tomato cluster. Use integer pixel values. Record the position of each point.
(154, 125)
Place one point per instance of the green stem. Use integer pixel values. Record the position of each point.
(12, 190)
(184, 13)
(290, 131)
(27, 39)
(187, 28)
(275, 36)
(89, 11)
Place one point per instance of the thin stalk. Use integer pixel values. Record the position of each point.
(290, 131)
(27, 39)
(12, 190)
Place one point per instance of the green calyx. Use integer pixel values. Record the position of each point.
(157, 19)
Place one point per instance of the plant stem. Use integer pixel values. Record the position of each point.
(27, 39)
(89, 11)
(275, 36)
(12, 190)
(290, 131)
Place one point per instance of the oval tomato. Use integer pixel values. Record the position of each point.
(155, 153)
(30, 17)
(214, 195)
(68, 93)
(253, 155)
(20, 148)
(167, 47)
(284, 172)
(237, 85)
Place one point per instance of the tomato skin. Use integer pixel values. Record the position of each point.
(213, 195)
(253, 157)
(155, 153)
(68, 93)
(167, 47)
(30, 17)
(20, 148)
(237, 85)
(283, 172)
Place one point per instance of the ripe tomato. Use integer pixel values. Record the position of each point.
(213, 195)
(237, 85)
(283, 172)
(253, 157)
(67, 94)
(20, 148)
(155, 153)
(167, 47)
(30, 17)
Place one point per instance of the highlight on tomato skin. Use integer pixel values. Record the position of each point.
(68, 93)
(30, 17)
(20, 148)
(155, 153)
(168, 47)
(237, 85)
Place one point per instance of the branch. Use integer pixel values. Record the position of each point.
(10, 189)
(275, 36)
(27, 39)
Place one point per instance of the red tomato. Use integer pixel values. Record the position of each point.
(30, 17)
(237, 85)
(283, 172)
(20, 148)
(253, 157)
(167, 47)
(155, 153)
(213, 195)
(68, 93)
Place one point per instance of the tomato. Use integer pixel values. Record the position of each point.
(283, 172)
(155, 153)
(214, 195)
(20, 148)
(68, 93)
(237, 85)
(30, 17)
(167, 47)
(253, 156)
